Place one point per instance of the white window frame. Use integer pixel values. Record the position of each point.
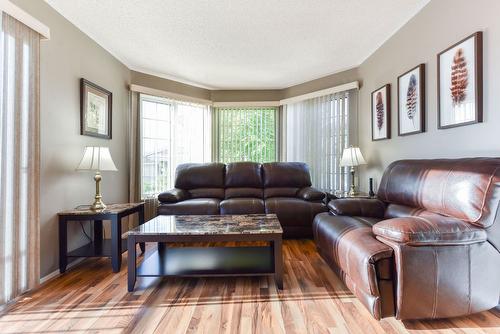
(216, 133)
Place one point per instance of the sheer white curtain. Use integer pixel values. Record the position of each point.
(316, 131)
(164, 133)
(19, 158)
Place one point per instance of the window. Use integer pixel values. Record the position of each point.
(172, 133)
(19, 157)
(246, 134)
(317, 131)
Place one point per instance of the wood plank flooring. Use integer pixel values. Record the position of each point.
(90, 298)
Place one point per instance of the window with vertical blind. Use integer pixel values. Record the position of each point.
(245, 134)
(317, 131)
(19, 158)
(172, 133)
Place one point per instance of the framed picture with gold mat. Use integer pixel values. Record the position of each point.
(95, 110)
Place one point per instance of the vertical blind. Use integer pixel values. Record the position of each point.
(317, 131)
(245, 134)
(19, 158)
(172, 133)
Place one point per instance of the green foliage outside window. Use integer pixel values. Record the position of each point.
(247, 134)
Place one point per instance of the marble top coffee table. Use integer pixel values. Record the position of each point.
(168, 260)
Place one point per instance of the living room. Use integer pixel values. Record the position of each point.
(249, 167)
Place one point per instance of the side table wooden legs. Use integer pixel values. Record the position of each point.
(63, 245)
(142, 245)
(98, 236)
(116, 244)
(98, 246)
(131, 263)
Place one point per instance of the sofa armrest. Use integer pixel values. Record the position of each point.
(365, 207)
(429, 230)
(311, 194)
(173, 196)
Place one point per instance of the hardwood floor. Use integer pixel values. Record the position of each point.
(90, 298)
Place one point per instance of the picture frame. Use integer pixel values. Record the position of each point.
(411, 101)
(460, 83)
(381, 113)
(95, 110)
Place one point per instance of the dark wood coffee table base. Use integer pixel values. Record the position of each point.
(207, 261)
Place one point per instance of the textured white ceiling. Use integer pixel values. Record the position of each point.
(239, 44)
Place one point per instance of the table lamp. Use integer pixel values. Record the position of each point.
(97, 159)
(352, 157)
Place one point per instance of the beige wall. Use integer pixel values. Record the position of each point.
(332, 80)
(167, 85)
(245, 95)
(67, 57)
(439, 25)
(171, 86)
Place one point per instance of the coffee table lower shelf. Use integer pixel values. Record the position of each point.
(208, 261)
(261, 234)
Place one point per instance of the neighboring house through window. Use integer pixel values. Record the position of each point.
(172, 132)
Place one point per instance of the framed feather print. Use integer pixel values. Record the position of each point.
(381, 113)
(460, 83)
(411, 101)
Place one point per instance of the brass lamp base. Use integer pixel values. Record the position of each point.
(98, 203)
(352, 190)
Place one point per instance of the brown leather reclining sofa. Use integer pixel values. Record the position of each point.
(283, 188)
(427, 247)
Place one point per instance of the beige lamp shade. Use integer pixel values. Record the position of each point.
(352, 157)
(96, 158)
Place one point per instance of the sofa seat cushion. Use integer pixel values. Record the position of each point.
(293, 211)
(349, 244)
(281, 192)
(244, 192)
(196, 206)
(238, 206)
(429, 230)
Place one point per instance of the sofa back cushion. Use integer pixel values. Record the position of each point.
(400, 211)
(466, 189)
(243, 175)
(243, 179)
(194, 175)
(206, 193)
(286, 174)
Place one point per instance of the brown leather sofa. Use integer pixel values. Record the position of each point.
(283, 188)
(427, 247)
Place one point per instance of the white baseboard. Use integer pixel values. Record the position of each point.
(44, 279)
(56, 272)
